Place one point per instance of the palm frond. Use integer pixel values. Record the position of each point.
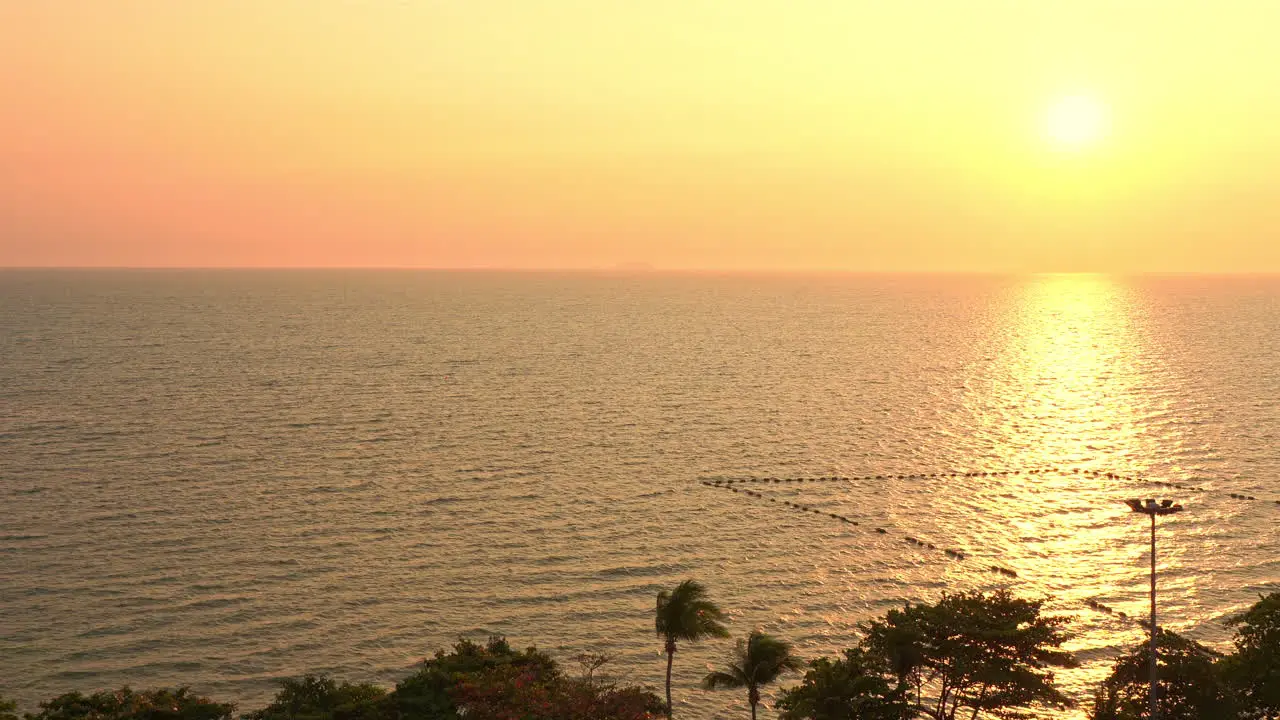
(720, 679)
(686, 614)
(766, 657)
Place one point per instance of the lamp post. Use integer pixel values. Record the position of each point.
(1153, 508)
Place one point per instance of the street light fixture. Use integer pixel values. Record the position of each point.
(1153, 508)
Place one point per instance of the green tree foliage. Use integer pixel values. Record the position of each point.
(126, 704)
(428, 694)
(989, 653)
(540, 693)
(495, 682)
(1254, 669)
(855, 687)
(755, 663)
(685, 614)
(322, 698)
(8, 710)
(1191, 684)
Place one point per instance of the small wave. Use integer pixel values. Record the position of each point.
(655, 493)
(107, 631)
(75, 674)
(212, 603)
(640, 570)
(444, 500)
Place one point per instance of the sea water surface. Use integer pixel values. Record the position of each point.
(221, 478)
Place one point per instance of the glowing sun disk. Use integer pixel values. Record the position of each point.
(1075, 121)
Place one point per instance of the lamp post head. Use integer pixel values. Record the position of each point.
(1152, 507)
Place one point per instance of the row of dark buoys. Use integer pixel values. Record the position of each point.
(1157, 483)
(1166, 484)
(1094, 604)
(951, 553)
(794, 505)
(1178, 486)
(727, 484)
(983, 474)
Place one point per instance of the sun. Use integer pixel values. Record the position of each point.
(1075, 122)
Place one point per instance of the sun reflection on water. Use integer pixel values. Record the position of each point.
(1070, 372)
(1072, 386)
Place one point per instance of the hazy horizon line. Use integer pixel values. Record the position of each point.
(635, 270)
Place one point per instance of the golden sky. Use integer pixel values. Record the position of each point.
(875, 135)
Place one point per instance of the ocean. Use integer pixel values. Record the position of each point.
(221, 477)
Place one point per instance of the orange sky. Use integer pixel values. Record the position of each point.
(754, 134)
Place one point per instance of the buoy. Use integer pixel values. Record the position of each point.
(882, 531)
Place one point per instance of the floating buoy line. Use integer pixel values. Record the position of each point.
(994, 473)
(953, 553)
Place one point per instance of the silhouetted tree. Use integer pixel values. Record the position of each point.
(1253, 671)
(1192, 685)
(987, 652)
(494, 682)
(322, 698)
(428, 694)
(685, 614)
(8, 709)
(127, 704)
(755, 663)
(539, 693)
(855, 687)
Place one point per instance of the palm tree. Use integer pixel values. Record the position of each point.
(686, 614)
(758, 661)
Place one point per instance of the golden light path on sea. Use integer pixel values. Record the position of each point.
(1078, 375)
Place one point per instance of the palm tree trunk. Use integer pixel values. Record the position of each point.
(671, 655)
(753, 711)
(753, 697)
